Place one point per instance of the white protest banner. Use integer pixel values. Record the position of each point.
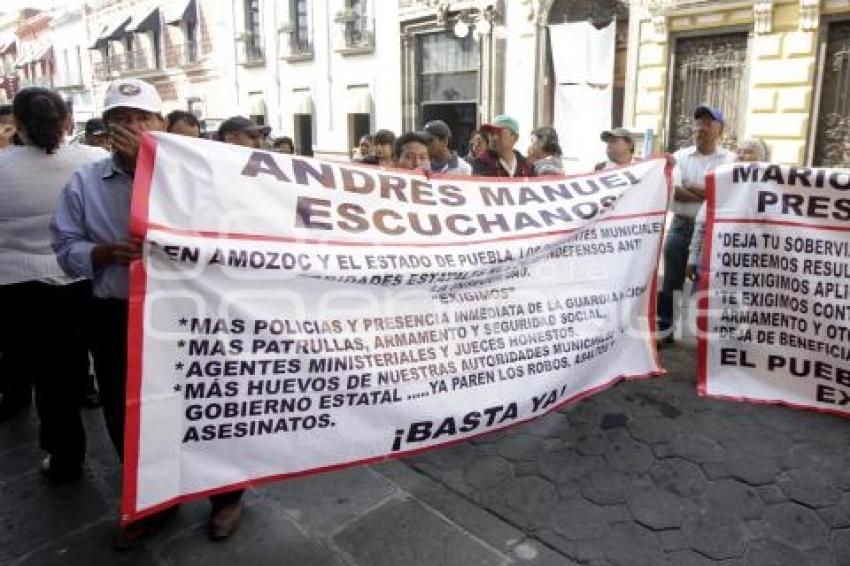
(775, 311)
(294, 315)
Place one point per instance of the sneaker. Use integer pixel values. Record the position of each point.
(225, 520)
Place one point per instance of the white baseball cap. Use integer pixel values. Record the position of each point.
(132, 93)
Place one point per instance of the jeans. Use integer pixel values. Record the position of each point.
(675, 263)
(109, 349)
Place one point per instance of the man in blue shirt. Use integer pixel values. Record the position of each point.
(91, 240)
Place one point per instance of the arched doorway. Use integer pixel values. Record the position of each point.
(599, 13)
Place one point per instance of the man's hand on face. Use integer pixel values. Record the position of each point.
(125, 139)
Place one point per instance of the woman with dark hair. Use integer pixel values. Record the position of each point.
(41, 306)
(544, 153)
(479, 143)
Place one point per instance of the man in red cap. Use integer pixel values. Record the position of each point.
(502, 160)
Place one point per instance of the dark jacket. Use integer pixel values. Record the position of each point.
(368, 160)
(488, 165)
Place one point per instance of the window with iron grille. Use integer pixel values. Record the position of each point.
(355, 18)
(832, 142)
(253, 39)
(302, 23)
(708, 70)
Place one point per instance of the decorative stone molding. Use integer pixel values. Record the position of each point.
(809, 15)
(763, 16)
(539, 14)
(443, 13)
(659, 28)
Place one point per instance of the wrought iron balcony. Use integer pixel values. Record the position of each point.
(182, 55)
(138, 62)
(69, 80)
(357, 36)
(43, 81)
(418, 3)
(296, 46)
(252, 52)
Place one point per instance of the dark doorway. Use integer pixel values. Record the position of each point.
(461, 118)
(304, 134)
(447, 84)
(359, 125)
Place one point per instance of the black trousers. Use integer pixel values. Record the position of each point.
(109, 350)
(45, 339)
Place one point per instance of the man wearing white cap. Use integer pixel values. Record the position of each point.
(91, 240)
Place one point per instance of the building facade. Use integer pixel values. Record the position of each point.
(9, 81)
(327, 72)
(467, 61)
(185, 48)
(778, 69)
(337, 65)
(72, 70)
(35, 64)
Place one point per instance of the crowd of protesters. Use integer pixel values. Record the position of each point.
(65, 246)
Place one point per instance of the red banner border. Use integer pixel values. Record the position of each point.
(702, 312)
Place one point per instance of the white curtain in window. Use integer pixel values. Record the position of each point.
(445, 53)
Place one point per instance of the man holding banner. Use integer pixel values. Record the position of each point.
(91, 240)
(293, 316)
(692, 165)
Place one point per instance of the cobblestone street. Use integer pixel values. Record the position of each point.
(646, 473)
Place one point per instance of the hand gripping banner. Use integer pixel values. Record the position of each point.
(775, 306)
(293, 315)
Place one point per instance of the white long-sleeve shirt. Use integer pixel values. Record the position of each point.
(691, 168)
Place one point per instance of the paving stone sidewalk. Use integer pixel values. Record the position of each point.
(645, 473)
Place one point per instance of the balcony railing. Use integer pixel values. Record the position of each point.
(252, 52)
(418, 3)
(357, 34)
(136, 62)
(69, 80)
(44, 81)
(182, 55)
(297, 47)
